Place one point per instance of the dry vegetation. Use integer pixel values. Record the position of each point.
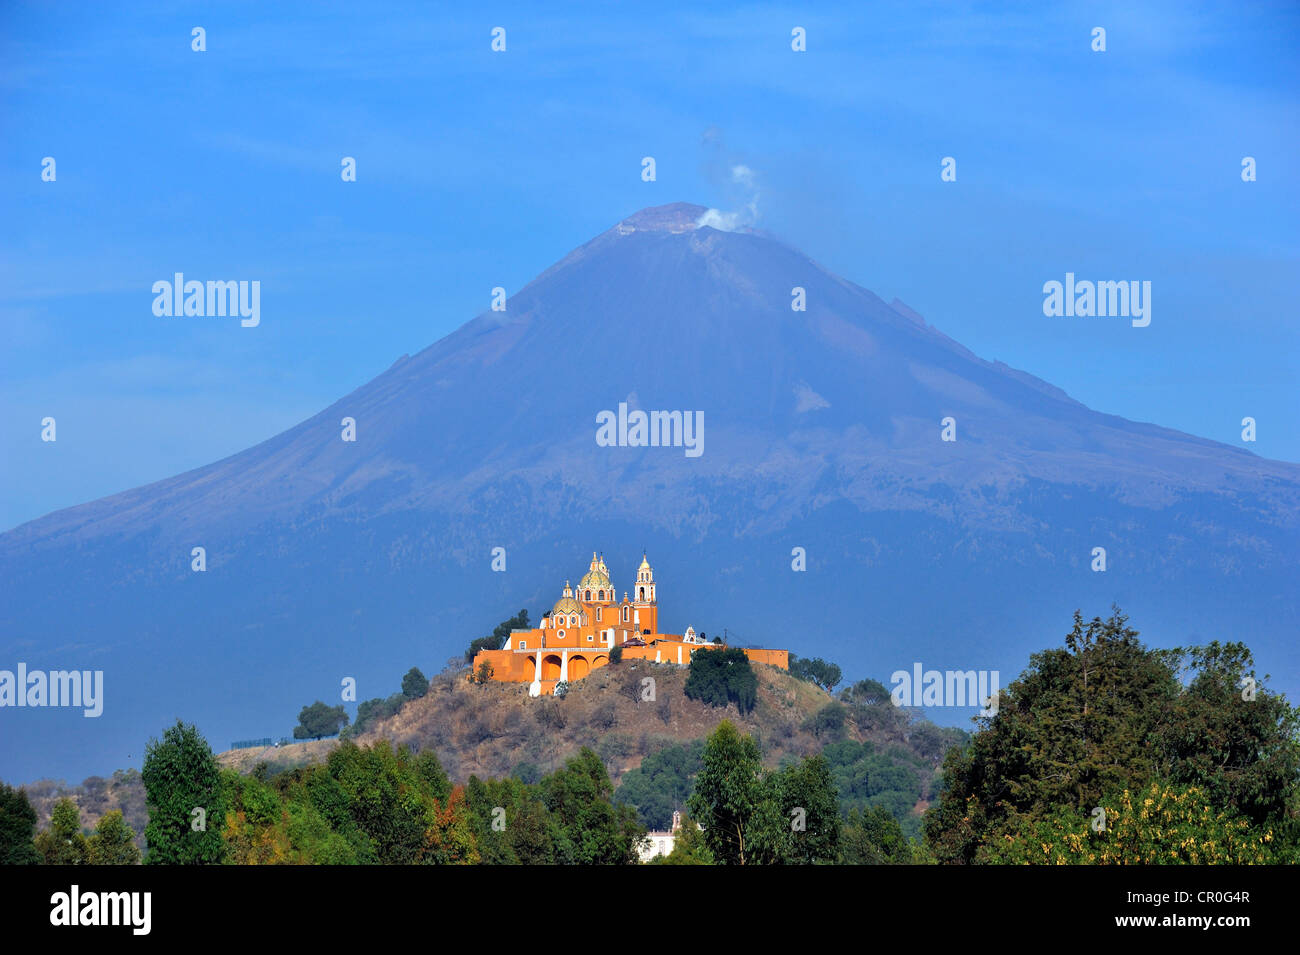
(95, 796)
(491, 730)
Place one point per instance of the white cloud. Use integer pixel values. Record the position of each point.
(744, 177)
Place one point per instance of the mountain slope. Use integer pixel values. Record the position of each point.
(329, 559)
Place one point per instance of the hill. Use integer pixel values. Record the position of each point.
(493, 729)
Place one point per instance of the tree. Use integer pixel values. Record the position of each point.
(184, 797)
(718, 677)
(511, 823)
(372, 711)
(689, 848)
(867, 693)
(113, 842)
(63, 843)
(1104, 714)
(816, 671)
(389, 796)
(1242, 753)
(872, 836)
(592, 830)
(17, 828)
(1163, 824)
(631, 687)
(727, 792)
(661, 783)
(484, 673)
(615, 656)
(497, 638)
(798, 817)
(829, 721)
(319, 720)
(415, 684)
(449, 839)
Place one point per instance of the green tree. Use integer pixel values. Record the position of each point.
(727, 792)
(370, 712)
(592, 830)
(615, 656)
(829, 722)
(689, 848)
(181, 776)
(752, 817)
(1241, 753)
(415, 684)
(798, 816)
(511, 822)
(816, 671)
(1162, 824)
(872, 836)
(112, 842)
(719, 677)
(497, 638)
(319, 720)
(1104, 714)
(387, 799)
(662, 783)
(17, 828)
(867, 693)
(63, 843)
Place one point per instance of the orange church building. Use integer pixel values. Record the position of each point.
(585, 624)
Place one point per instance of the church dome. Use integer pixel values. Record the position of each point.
(597, 577)
(566, 605)
(595, 580)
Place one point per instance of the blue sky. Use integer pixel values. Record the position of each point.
(478, 169)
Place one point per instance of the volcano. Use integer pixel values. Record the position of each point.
(949, 510)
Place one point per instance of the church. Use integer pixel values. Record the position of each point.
(589, 621)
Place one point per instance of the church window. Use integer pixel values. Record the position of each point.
(560, 634)
(588, 596)
(523, 645)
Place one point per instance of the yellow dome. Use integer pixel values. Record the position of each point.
(597, 577)
(645, 563)
(566, 605)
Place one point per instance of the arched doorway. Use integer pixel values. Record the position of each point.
(551, 667)
(600, 661)
(578, 667)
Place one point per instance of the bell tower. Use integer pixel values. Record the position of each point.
(644, 599)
